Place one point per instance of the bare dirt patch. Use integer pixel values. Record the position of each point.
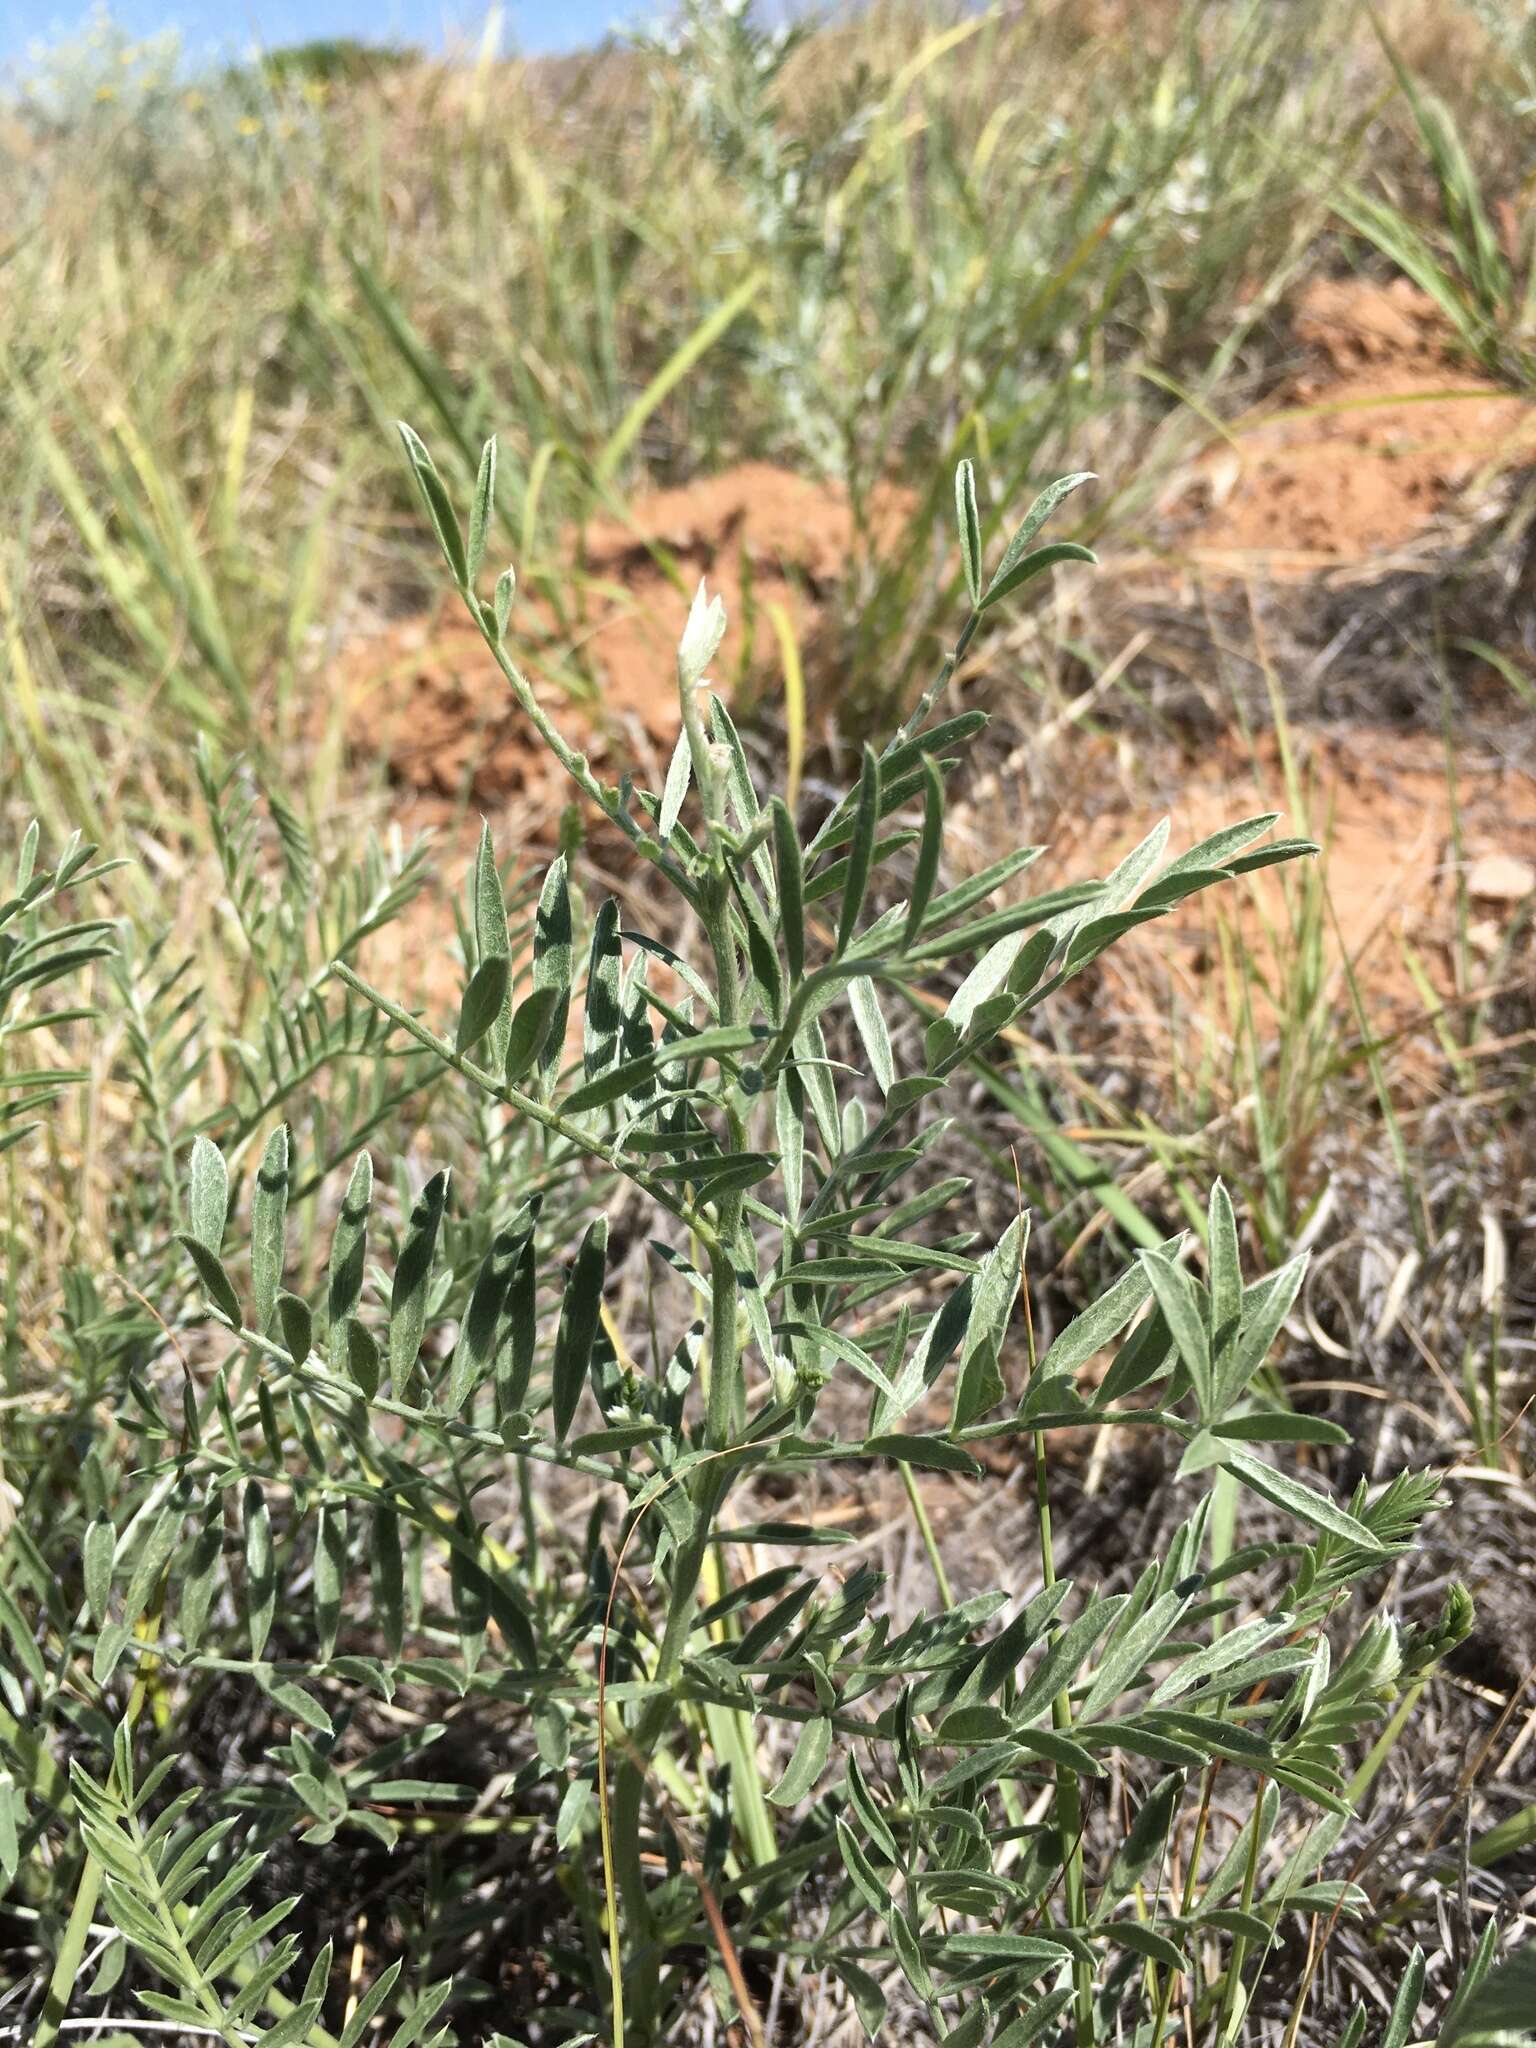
(1374, 439)
(428, 697)
(1305, 561)
(1427, 872)
(1413, 855)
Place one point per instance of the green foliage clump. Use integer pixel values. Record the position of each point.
(332, 60)
(394, 1469)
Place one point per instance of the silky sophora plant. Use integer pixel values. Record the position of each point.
(754, 1766)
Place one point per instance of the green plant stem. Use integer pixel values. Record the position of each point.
(605, 1821)
(724, 1362)
(574, 763)
(930, 1541)
(71, 1953)
(1232, 2003)
(686, 1571)
(731, 1735)
(66, 1966)
(1191, 1879)
(1491, 1375)
(1069, 1807)
(724, 1290)
(724, 1344)
(1382, 1747)
(583, 1140)
(917, 718)
(621, 1830)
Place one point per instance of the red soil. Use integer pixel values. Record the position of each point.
(1371, 443)
(428, 696)
(1380, 803)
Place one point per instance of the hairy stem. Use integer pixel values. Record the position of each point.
(584, 1141)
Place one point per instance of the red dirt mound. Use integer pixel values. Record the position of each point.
(428, 696)
(1374, 439)
(1378, 800)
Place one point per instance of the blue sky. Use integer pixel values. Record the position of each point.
(221, 26)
